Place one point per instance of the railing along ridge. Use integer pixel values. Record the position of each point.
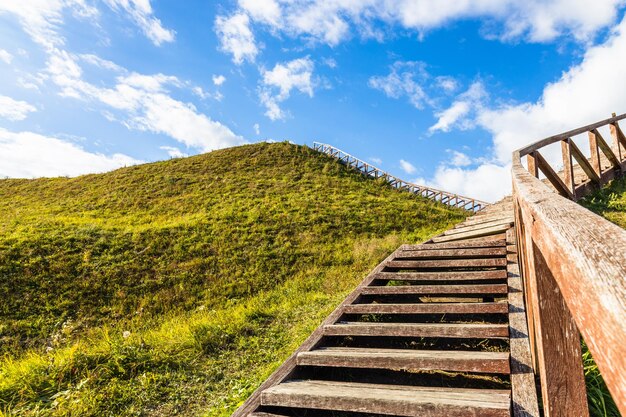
(573, 266)
(444, 197)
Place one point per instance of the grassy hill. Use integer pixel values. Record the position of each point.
(177, 287)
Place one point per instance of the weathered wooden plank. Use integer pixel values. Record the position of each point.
(552, 176)
(484, 218)
(436, 289)
(470, 228)
(407, 359)
(452, 330)
(523, 392)
(473, 234)
(389, 399)
(449, 263)
(584, 164)
(453, 253)
(494, 274)
(605, 148)
(568, 166)
(428, 308)
(456, 244)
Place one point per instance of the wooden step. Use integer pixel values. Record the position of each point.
(452, 253)
(442, 275)
(436, 289)
(407, 359)
(453, 330)
(453, 245)
(473, 234)
(469, 228)
(428, 308)
(449, 263)
(388, 399)
(477, 219)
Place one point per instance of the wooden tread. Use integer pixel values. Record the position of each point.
(388, 399)
(452, 253)
(487, 231)
(442, 275)
(436, 289)
(428, 308)
(450, 263)
(407, 359)
(452, 330)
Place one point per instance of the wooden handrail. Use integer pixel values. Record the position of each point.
(574, 269)
(444, 197)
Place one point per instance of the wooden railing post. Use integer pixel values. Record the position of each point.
(568, 167)
(558, 347)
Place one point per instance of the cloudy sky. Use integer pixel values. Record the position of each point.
(435, 91)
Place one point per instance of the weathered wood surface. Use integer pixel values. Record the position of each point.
(454, 330)
(488, 231)
(450, 263)
(574, 263)
(452, 253)
(408, 359)
(474, 227)
(389, 399)
(486, 243)
(436, 289)
(494, 274)
(428, 308)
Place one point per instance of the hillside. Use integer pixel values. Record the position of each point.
(176, 287)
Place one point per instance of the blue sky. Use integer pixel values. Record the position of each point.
(438, 92)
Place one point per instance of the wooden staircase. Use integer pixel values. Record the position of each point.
(437, 329)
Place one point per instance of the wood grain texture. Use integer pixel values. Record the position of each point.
(436, 289)
(472, 234)
(495, 274)
(448, 263)
(389, 399)
(428, 308)
(452, 253)
(418, 330)
(408, 359)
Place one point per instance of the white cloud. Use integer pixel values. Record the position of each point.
(236, 37)
(257, 129)
(140, 11)
(407, 167)
(41, 18)
(285, 77)
(173, 151)
(447, 84)
(332, 22)
(29, 155)
(218, 80)
(5, 56)
(406, 79)
(14, 110)
(488, 182)
(458, 112)
(459, 159)
(266, 11)
(145, 104)
(376, 161)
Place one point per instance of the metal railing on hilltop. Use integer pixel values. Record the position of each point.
(444, 197)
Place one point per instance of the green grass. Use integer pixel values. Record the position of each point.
(177, 287)
(610, 203)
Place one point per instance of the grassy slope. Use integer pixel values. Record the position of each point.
(610, 203)
(178, 286)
